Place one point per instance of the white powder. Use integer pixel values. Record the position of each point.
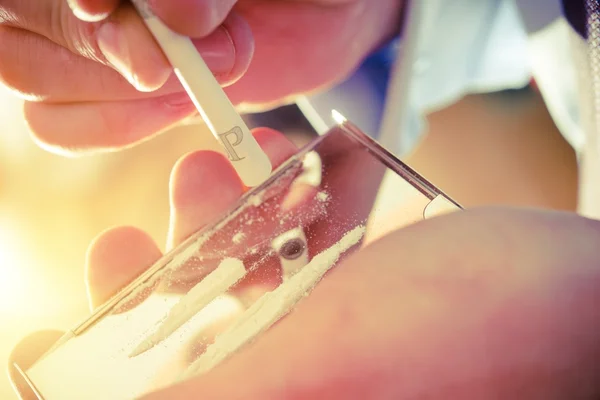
(255, 200)
(228, 273)
(312, 170)
(238, 237)
(322, 196)
(176, 262)
(272, 306)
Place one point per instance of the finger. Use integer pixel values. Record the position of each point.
(275, 144)
(68, 77)
(93, 10)
(55, 21)
(194, 18)
(114, 259)
(84, 127)
(204, 185)
(129, 47)
(25, 354)
(122, 41)
(65, 76)
(451, 323)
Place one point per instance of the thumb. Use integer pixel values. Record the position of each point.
(121, 41)
(127, 45)
(31, 30)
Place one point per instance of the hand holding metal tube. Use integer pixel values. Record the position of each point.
(120, 90)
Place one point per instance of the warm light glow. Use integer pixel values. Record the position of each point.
(13, 280)
(338, 117)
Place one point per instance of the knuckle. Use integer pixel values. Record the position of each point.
(8, 13)
(74, 34)
(27, 59)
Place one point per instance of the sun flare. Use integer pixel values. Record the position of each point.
(13, 280)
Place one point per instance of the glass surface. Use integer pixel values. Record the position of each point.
(230, 282)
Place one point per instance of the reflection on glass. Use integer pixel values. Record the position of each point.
(228, 283)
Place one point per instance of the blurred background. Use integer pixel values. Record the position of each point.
(500, 148)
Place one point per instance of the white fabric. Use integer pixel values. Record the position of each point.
(466, 46)
(453, 48)
(555, 73)
(458, 47)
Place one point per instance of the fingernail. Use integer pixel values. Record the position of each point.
(113, 45)
(218, 51)
(83, 14)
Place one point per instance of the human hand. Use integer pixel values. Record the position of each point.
(479, 304)
(203, 185)
(485, 304)
(300, 45)
(70, 70)
(66, 69)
